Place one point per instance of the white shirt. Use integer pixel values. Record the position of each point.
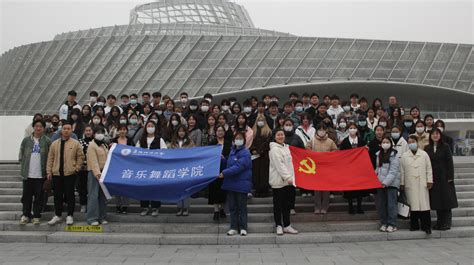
(64, 111)
(108, 108)
(149, 140)
(334, 112)
(354, 141)
(34, 171)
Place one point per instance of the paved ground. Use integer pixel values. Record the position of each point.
(439, 251)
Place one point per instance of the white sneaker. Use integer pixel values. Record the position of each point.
(154, 212)
(69, 220)
(249, 195)
(331, 196)
(54, 220)
(290, 230)
(383, 228)
(292, 212)
(24, 220)
(36, 221)
(185, 212)
(104, 222)
(232, 232)
(95, 223)
(279, 230)
(83, 209)
(304, 195)
(391, 229)
(144, 212)
(243, 232)
(310, 195)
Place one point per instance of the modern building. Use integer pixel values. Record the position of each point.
(212, 46)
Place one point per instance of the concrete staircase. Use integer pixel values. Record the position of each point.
(198, 228)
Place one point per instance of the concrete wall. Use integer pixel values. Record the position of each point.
(12, 132)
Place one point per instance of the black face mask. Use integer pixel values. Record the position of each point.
(55, 123)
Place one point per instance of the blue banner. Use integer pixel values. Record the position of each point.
(167, 175)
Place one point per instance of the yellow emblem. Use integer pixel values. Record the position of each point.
(307, 166)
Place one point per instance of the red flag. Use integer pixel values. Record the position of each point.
(343, 170)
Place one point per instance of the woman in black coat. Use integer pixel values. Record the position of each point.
(354, 141)
(443, 194)
(374, 145)
(261, 165)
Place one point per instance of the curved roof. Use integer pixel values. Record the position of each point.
(135, 59)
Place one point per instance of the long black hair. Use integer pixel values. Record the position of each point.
(384, 155)
(143, 138)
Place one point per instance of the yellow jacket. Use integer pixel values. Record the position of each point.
(73, 157)
(96, 157)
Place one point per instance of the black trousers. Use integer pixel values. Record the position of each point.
(154, 204)
(292, 196)
(32, 195)
(444, 218)
(82, 186)
(282, 205)
(420, 216)
(63, 187)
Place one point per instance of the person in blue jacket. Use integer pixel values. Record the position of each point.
(237, 182)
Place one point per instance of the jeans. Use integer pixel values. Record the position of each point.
(387, 206)
(321, 200)
(96, 202)
(184, 204)
(238, 210)
(282, 205)
(63, 187)
(32, 194)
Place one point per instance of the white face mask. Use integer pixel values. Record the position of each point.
(342, 125)
(99, 136)
(420, 130)
(123, 121)
(100, 103)
(193, 107)
(239, 142)
(93, 99)
(383, 124)
(96, 121)
(288, 128)
(362, 123)
(413, 146)
(352, 131)
(150, 130)
(247, 109)
(299, 109)
(159, 112)
(439, 128)
(260, 123)
(133, 121)
(174, 123)
(346, 108)
(395, 136)
(385, 146)
(133, 101)
(225, 108)
(184, 100)
(204, 108)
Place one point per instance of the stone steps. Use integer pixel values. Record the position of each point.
(221, 239)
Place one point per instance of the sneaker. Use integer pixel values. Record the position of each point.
(24, 220)
(54, 220)
(331, 196)
(279, 230)
(304, 195)
(232, 232)
(292, 212)
(69, 220)
(185, 212)
(95, 223)
(391, 229)
(383, 228)
(104, 222)
(323, 212)
(118, 209)
(243, 232)
(83, 208)
(124, 210)
(317, 211)
(249, 195)
(36, 221)
(309, 195)
(154, 212)
(145, 212)
(290, 230)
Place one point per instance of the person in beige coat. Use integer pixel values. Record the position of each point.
(321, 143)
(416, 180)
(423, 138)
(96, 157)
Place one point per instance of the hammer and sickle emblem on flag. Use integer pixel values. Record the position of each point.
(307, 166)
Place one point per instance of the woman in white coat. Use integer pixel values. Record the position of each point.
(417, 179)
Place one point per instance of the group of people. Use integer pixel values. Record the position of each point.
(409, 153)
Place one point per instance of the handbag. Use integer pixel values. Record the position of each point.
(403, 206)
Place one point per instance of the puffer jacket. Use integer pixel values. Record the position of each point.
(238, 170)
(281, 166)
(389, 173)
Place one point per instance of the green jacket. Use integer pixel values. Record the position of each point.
(25, 154)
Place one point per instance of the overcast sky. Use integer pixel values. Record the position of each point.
(27, 21)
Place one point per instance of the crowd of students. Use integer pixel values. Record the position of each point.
(409, 153)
